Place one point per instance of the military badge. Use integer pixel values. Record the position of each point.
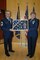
(33, 22)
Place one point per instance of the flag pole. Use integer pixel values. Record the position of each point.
(34, 7)
(27, 21)
(18, 17)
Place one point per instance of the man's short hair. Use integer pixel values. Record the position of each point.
(7, 11)
(32, 13)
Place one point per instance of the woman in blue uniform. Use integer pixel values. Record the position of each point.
(32, 34)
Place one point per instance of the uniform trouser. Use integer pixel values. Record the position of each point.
(7, 44)
(31, 45)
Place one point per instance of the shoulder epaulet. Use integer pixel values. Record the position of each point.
(29, 19)
(11, 18)
(3, 19)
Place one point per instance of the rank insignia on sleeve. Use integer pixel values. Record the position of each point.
(1, 23)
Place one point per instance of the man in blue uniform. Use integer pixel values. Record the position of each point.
(32, 34)
(6, 25)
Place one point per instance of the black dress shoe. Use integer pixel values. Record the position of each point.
(7, 54)
(31, 56)
(11, 50)
(27, 55)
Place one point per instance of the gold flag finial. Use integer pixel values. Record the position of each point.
(34, 3)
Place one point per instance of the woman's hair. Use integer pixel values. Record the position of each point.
(32, 13)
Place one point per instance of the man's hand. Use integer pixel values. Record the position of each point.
(26, 32)
(10, 29)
